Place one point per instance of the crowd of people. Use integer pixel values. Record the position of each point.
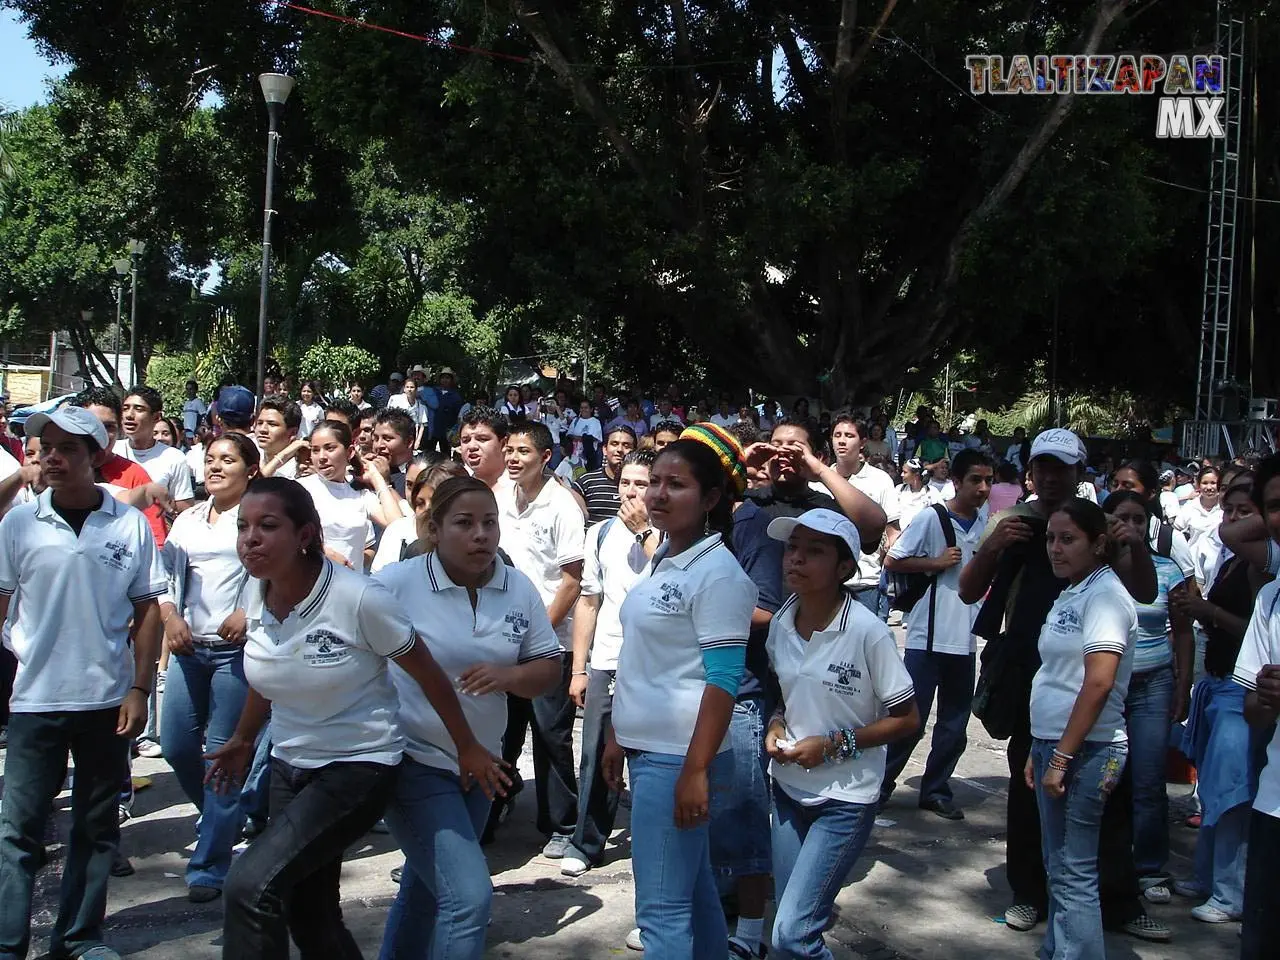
(711, 586)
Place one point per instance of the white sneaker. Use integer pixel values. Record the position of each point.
(633, 940)
(1208, 913)
(150, 749)
(574, 866)
(1157, 893)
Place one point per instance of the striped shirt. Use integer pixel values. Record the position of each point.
(601, 493)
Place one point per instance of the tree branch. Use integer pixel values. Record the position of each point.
(863, 51)
(796, 64)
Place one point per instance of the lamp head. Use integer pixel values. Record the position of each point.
(137, 248)
(121, 265)
(276, 87)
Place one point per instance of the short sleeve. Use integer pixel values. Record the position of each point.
(540, 641)
(1180, 553)
(1273, 558)
(592, 570)
(889, 677)
(181, 486)
(569, 533)
(149, 580)
(914, 540)
(889, 503)
(1257, 650)
(721, 611)
(9, 537)
(1108, 624)
(382, 623)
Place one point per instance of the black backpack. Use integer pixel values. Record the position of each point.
(910, 588)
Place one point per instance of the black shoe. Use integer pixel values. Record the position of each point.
(501, 809)
(943, 808)
(199, 894)
(397, 873)
(120, 866)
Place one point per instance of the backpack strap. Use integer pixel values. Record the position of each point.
(948, 535)
(602, 533)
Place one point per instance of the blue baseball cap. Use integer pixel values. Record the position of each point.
(236, 404)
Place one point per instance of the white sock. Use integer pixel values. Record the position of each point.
(750, 931)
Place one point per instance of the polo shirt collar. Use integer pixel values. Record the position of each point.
(255, 608)
(45, 510)
(1089, 581)
(691, 555)
(840, 622)
(440, 580)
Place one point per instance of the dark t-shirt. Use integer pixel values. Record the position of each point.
(791, 503)
(601, 493)
(761, 559)
(76, 518)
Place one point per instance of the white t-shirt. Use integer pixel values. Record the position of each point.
(206, 577)
(1169, 504)
(613, 563)
(699, 599)
(398, 533)
(952, 617)
(192, 411)
(877, 486)
(1014, 456)
(418, 412)
(1209, 555)
(912, 502)
(1195, 521)
(1085, 490)
(584, 427)
(1096, 615)
(195, 460)
(1261, 646)
(940, 491)
(312, 414)
(544, 537)
(163, 464)
(848, 675)
(509, 626)
(1179, 549)
(344, 513)
(324, 669)
(726, 422)
(75, 597)
(658, 418)
(1185, 492)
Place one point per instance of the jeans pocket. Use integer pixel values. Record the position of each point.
(1113, 761)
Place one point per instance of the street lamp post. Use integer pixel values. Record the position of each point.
(122, 268)
(136, 249)
(276, 88)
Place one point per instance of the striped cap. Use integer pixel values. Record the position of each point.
(726, 447)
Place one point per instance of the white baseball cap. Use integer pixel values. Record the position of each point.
(820, 521)
(1060, 444)
(76, 420)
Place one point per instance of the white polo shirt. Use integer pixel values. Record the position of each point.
(848, 675)
(877, 486)
(344, 513)
(398, 533)
(952, 617)
(698, 600)
(1261, 646)
(509, 626)
(75, 597)
(1096, 615)
(206, 578)
(1179, 549)
(324, 669)
(614, 562)
(1195, 521)
(163, 464)
(543, 537)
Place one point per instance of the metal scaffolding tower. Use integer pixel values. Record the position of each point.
(1215, 372)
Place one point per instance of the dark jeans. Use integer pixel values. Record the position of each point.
(1261, 927)
(597, 814)
(8, 670)
(1117, 878)
(551, 716)
(35, 768)
(286, 883)
(951, 676)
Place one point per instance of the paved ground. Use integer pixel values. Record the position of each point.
(925, 890)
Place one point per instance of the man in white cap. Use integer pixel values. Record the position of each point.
(1012, 563)
(80, 565)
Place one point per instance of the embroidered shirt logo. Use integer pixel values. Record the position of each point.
(517, 626)
(324, 648)
(116, 554)
(1067, 621)
(668, 598)
(845, 674)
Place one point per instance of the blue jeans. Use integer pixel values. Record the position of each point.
(442, 908)
(740, 825)
(814, 848)
(875, 599)
(951, 675)
(677, 906)
(255, 795)
(597, 803)
(1069, 829)
(1222, 851)
(35, 768)
(1147, 709)
(1260, 929)
(204, 694)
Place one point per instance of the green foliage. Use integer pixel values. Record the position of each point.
(169, 374)
(336, 366)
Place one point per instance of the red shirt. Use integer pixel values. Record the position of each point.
(14, 446)
(127, 475)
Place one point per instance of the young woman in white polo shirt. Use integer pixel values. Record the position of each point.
(319, 638)
(684, 630)
(845, 695)
(436, 815)
(1079, 743)
(348, 512)
(203, 619)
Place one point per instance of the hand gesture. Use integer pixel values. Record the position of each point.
(611, 764)
(775, 733)
(229, 764)
(478, 767)
(382, 465)
(808, 753)
(177, 635)
(1006, 534)
(337, 558)
(485, 678)
(578, 690)
(948, 559)
(757, 455)
(30, 473)
(1124, 534)
(233, 628)
(693, 799)
(1269, 687)
(295, 448)
(1054, 783)
(157, 494)
(1029, 774)
(634, 515)
(370, 473)
(133, 714)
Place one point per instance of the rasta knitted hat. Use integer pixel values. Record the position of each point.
(726, 447)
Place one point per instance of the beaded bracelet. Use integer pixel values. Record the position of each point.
(842, 744)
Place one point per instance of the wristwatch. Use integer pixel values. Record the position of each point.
(644, 535)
